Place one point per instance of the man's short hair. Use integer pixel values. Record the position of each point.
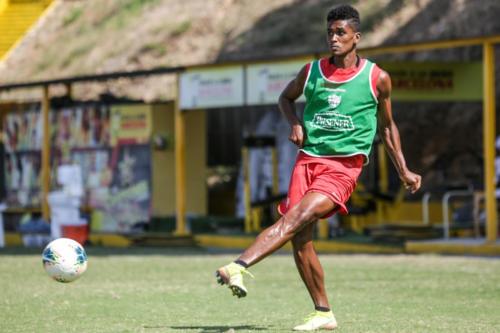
(345, 12)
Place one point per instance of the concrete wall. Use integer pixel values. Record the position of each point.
(163, 173)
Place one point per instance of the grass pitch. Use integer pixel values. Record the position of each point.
(154, 290)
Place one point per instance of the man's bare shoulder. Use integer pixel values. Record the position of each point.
(384, 85)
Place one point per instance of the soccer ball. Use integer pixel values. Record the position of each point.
(64, 260)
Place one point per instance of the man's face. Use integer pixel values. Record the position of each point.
(341, 37)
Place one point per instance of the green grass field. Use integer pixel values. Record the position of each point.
(155, 290)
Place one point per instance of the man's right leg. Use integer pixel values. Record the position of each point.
(312, 206)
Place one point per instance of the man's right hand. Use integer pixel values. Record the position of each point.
(286, 103)
(297, 135)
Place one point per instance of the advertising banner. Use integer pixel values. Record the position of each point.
(78, 134)
(131, 123)
(116, 179)
(127, 201)
(210, 88)
(85, 126)
(22, 179)
(266, 81)
(427, 81)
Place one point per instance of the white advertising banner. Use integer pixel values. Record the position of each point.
(266, 81)
(210, 88)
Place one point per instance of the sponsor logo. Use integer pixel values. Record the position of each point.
(333, 121)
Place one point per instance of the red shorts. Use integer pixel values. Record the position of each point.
(334, 177)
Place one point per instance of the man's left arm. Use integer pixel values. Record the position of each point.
(389, 133)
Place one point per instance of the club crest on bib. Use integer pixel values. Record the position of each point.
(334, 100)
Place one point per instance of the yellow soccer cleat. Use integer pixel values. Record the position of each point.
(318, 320)
(232, 276)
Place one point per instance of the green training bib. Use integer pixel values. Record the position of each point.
(340, 118)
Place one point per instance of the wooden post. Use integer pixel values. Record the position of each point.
(275, 163)
(180, 164)
(246, 188)
(383, 171)
(383, 181)
(45, 170)
(489, 134)
(323, 229)
(69, 90)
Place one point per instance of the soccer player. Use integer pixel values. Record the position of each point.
(347, 99)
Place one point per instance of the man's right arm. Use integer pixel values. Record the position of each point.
(287, 105)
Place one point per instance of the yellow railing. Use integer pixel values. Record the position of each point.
(3, 5)
(16, 18)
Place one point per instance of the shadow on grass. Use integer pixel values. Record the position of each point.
(216, 329)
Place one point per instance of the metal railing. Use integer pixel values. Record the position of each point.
(445, 204)
(445, 207)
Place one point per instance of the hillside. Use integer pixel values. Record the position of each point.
(88, 37)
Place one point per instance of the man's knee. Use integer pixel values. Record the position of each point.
(308, 213)
(297, 218)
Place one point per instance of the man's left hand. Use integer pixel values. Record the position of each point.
(411, 181)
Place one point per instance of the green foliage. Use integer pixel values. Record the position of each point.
(156, 49)
(181, 28)
(77, 52)
(43, 64)
(122, 12)
(72, 16)
(134, 6)
(128, 10)
(160, 290)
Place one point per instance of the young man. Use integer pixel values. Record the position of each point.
(347, 98)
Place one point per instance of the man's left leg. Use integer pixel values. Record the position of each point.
(310, 270)
(309, 266)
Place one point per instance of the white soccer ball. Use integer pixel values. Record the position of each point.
(64, 260)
